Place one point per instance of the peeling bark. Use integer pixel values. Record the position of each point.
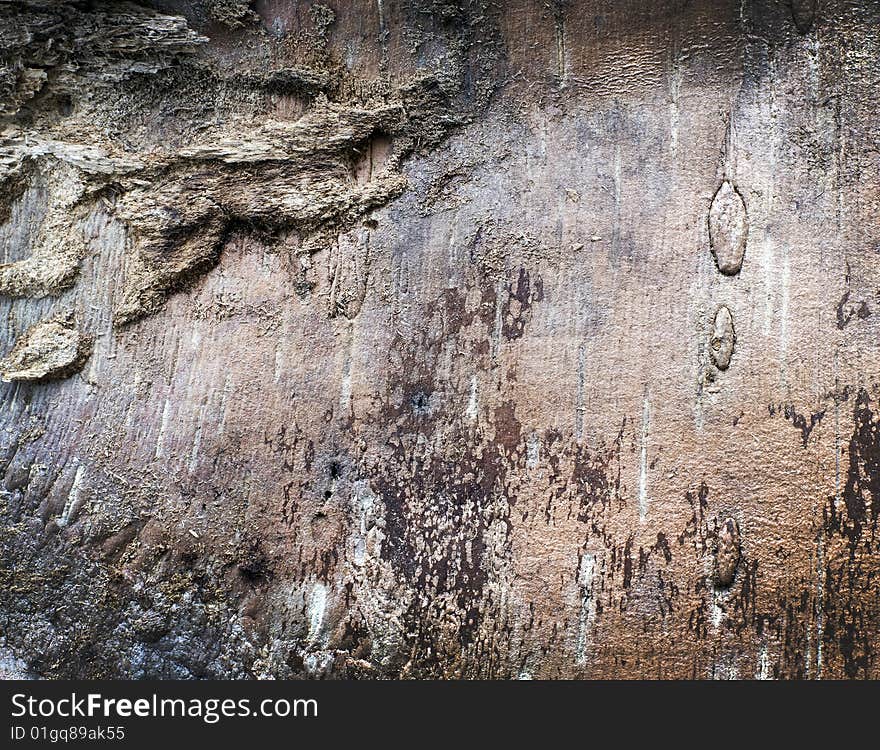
(52, 349)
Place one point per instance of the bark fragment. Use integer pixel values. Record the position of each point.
(49, 350)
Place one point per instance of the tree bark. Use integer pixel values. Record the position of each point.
(440, 338)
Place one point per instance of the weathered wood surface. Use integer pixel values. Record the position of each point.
(407, 351)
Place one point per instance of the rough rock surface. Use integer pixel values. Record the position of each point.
(403, 319)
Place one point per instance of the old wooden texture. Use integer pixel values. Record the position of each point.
(440, 339)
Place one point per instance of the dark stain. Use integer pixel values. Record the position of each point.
(595, 477)
(696, 528)
(662, 545)
(741, 610)
(798, 420)
(420, 402)
(666, 590)
(790, 623)
(846, 312)
(438, 509)
(627, 563)
(508, 430)
(803, 13)
(863, 480)
(851, 604)
(255, 567)
(517, 307)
